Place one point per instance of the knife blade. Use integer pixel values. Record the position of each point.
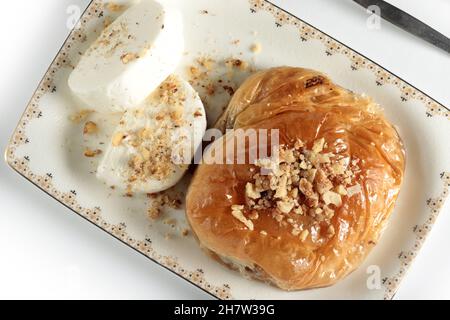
(408, 23)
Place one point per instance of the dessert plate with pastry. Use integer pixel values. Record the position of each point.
(238, 147)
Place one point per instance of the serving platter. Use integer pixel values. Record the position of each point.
(47, 147)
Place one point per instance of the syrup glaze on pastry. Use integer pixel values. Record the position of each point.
(317, 215)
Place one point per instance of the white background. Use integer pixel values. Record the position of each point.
(48, 252)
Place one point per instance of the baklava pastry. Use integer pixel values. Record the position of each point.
(307, 213)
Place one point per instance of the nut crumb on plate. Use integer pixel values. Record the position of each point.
(129, 57)
(80, 116)
(303, 189)
(90, 127)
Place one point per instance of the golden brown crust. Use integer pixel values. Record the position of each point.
(306, 105)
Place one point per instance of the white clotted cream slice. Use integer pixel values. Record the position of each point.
(154, 144)
(132, 56)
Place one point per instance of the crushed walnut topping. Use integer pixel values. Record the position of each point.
(118, 138)
(304, 235)
(198, 113)
(128, 57)
(89, 153)
(169, 92)
(217, 80)
(153, 150)
(206, 62)
(111, 40)
(301, 185)
(236, 63)
(114, 7)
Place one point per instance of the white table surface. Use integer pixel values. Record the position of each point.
(48, 252)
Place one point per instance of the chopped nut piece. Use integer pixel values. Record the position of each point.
(306, 188)
(310, 172)
(354, 190)
(128, 57)
(341, 190)
(331, 197)
(311, 175)
(145, 154)
(328, 212)
(80, 116)
(298, 144)
(287, 156)
(285, 206)
(90, 128)
(304, 166)
(323, 158)
(154, 211)
(256, 48)
(211, 89)
(330, 231)
(170, 222)
(314, 159)
(194, 71)
(92, 153)
(281, 190)
(293, 194)
(279, 217)
(304, 235)
(237, 63)
(254, 215)
(229, 90)
(198, 113)
(264, 233)
(236, 211)
(318, 145)
(313, 201)
(114, 7)
(107, 22)
(251, 192)
(168, 198)
(118, 138)
(322, 183)
(207, 63)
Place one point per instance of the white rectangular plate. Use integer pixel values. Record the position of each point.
(47, 147)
